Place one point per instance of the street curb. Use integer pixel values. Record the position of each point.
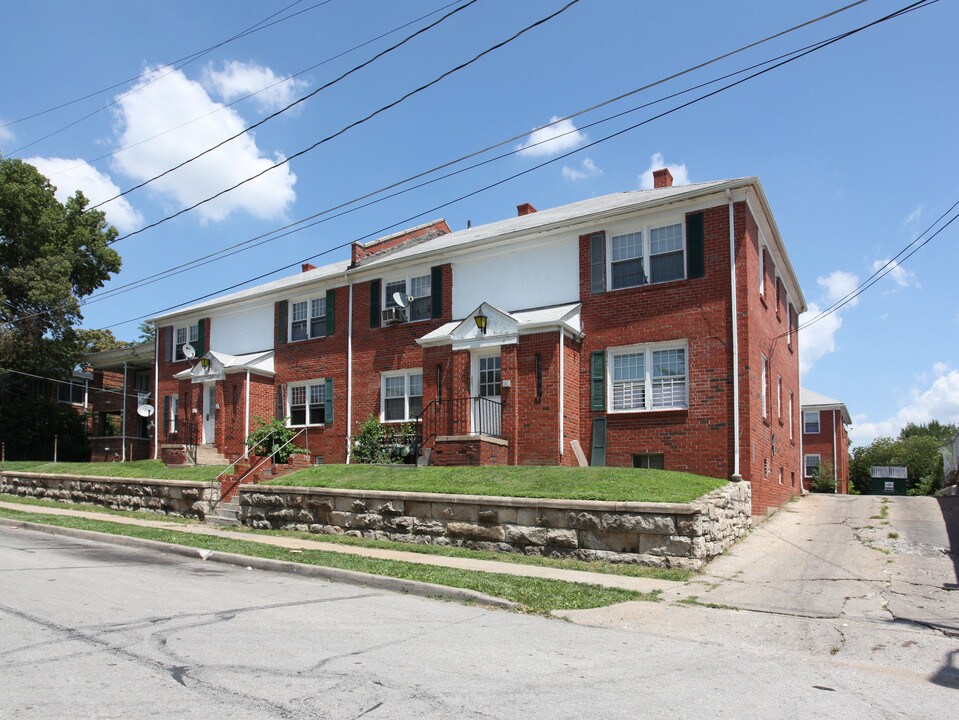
(352, 577)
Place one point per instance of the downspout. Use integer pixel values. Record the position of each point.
(736, 476)
(246, 427)
(562, 390)
(835, 468)
(349, 376)
(156, 392)
(123, 421)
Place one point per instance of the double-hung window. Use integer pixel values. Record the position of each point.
(653, 253)
(308, 319)
(402, 394)
(765, 387)
(307, 403)
(184, 335)
(71, 392)
(649, 377)
(812, 465)
(419, 296)
(811, 422)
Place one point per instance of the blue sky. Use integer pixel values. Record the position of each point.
(855, 144)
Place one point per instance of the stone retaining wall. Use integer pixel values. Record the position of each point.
(167, 497)
(684, 535)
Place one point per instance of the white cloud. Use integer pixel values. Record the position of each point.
(6, 134)
(172, 100)
(912, 218)
(839, 284)
(896, 272)
(71, 175)
(656, 162)
(587, 169)
(817, 340)
(552, 139)
(939, 401)
(238, 79)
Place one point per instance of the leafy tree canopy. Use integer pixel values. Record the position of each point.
(148, 332)
(941, 432)
(916, 449)
(51, 255)
(99, 340)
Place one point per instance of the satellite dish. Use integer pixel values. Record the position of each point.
(400, 299)
(145, 410)
(189, 352)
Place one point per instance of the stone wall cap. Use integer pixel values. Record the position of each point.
(550, 503)
(106, 478)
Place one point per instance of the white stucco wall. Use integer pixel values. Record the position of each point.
(547, 274)
(244, 331)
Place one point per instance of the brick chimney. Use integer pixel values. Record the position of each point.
(525, 209)
(307, 267)
(662, 178)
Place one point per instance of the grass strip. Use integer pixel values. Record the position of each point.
(640, 571)
(563, 483)
(145, 469)
(536, 595)
(87, 507)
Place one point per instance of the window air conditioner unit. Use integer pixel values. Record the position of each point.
(394, 316)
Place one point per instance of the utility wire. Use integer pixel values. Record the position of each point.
(563, 156)
(368, 117)
(281, 81)
(183, 62)
(67, 382)
(289, 107)
(248, 244)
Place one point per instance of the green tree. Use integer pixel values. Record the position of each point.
(96, 340)
(917, 449)
(148, 332)
(942, 433)
(52, 254)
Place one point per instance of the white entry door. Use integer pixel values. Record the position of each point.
(209, 412)
(487, 395)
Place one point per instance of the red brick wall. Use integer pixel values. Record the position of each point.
(698, 439)
(762, 328)
(537, 431)
(572, 428)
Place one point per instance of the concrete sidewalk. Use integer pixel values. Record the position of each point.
(645, 585)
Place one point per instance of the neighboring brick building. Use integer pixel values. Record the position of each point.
(598, 330)
(825, 439)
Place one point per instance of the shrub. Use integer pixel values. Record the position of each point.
(377, 443)
(272, 438)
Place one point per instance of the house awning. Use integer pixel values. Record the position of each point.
(504, 328)
(216, 366)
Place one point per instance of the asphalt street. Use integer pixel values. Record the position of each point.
(89, 630)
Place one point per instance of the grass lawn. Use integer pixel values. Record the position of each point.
(534, 594)
(149, 469)
(615, 484)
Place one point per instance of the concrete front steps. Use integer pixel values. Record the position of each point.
(247, 472)
(209, 455)
(227, 512)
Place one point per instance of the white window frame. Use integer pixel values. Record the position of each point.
(647, 349)
(762, 266)
(765, 386)
(406, 375)
(309, 317)
(805, 422)
(805, 463)
(789, 322)
(190, 332)
(387, 300)
(645, 227)
(779, 397)
(792, 411)
(307, 384)
(172, 420)
(73, 384)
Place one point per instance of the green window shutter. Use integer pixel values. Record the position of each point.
(597, 380)
(166, 414)
(330, 311)
(598, 456)
(695, 246)
(375, 303)
(282, 314)
(328, 402)
(597, 263)
(436, 288)
(280, 404)
(201, 338)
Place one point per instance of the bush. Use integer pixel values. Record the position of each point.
(376, 443)
(272, 438)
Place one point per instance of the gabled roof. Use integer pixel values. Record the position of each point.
(810, 400)
(504, 327)
(260, 363)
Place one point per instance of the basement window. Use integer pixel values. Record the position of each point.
(649, 461)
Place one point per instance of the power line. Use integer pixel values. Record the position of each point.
(222, 253)
(67, 382)
(817, 47)
(293, 104)
(281, 81)
(174, 66)
(368, 117)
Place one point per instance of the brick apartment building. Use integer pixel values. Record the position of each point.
(825, 439)
(599, 332)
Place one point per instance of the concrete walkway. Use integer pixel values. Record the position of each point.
(645, 585)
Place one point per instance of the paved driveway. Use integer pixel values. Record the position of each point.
(855, 581)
